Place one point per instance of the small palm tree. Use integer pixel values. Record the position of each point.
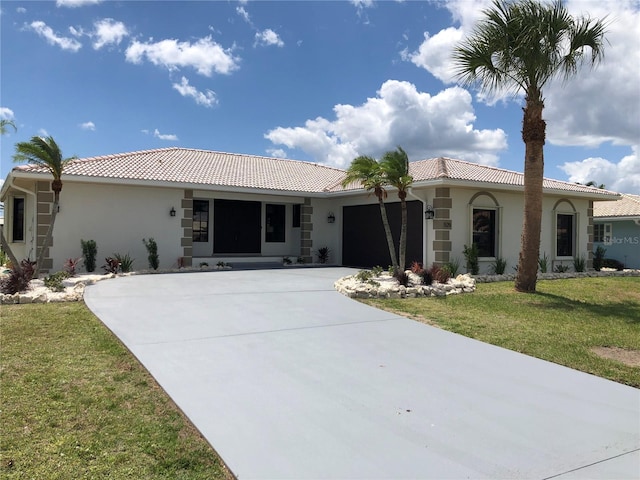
(395, 166)
(46, 153)
(519, 46)
(368, 172)
(4, 123)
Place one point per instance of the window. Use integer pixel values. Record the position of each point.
(484, 231)
(565, 239)
(201, 220)
(17, 226)
(602, 233)
(275, 221)
(296, 215)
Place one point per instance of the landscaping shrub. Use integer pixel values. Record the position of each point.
(54, 281)
(561, 268)
(579, 263)
(416, 267)
(543, 263)
(18, 280)
(612, 263)
(111, 265)
(377, 270)
(471, 254)
(70, 266)
(427, 277)
(323, 254)
(4, 258)
(126, 262)
(402, 277)
(89, 253)
(499, 266)
(452, 266)
(152, 250)
(598, 257)
(439, 274)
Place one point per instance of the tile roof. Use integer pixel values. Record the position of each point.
(190, 166)
(627, 206)
(208, 168)
(443, 168)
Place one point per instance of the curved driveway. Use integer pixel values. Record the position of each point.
(288, 379)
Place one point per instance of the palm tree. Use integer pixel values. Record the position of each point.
(368, 172)
(4, 123)
(395, 166)
(46, 153)
(519, 46)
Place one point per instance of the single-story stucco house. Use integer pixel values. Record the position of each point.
(616, 226)
(204, 206)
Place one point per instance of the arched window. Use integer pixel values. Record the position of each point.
(484, 212)
(566, 224)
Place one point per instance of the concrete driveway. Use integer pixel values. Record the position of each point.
(288, 379)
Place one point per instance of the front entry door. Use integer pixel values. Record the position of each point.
(236, 226)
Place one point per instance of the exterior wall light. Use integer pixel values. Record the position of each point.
(172, 212)
(331, 218)
(429, 213)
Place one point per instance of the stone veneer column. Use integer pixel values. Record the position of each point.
(590, 235)
(186, 222)
(442, 204)
(306, 227)
(44, 200)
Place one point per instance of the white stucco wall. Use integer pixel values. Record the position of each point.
(117, 218)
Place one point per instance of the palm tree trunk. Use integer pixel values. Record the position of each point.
(533, 134)
(49, 235)
(403, 236)
(7, 249)
(387, 231)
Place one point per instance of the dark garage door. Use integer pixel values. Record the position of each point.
(364, 243)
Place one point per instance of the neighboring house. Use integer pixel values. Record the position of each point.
(616, 226)
(203, 206)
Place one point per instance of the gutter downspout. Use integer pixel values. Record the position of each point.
(35, 211)
(424, 227)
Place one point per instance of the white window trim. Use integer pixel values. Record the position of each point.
(498, 226)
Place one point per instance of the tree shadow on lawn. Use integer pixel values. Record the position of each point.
(626, 310)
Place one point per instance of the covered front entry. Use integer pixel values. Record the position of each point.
(236, 226)
(364, 243)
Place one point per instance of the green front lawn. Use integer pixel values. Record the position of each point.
(561, 323)
(74, 403)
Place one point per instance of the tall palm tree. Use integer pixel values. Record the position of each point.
(519, 46)
(46, 153)
(395, 166)
(368, 172)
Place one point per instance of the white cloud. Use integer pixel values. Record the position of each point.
(623, 176)
(48, 34)
(76, 3)
(205, 55)
(206, 98)
(424, 125)
(6, 113)
(165, 136)
(277, 152)
(43, 133)
(108, 32)
(244, 14)
(434, 54)
(21, 10)
(88, 126)
(268, 37)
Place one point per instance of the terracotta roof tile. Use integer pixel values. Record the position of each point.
(627, 206)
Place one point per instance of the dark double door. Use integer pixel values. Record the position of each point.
(236, 227)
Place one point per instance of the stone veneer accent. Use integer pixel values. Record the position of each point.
(590, 235)
(306, 227)
(442, 204)
(186, 222)
(44, 200)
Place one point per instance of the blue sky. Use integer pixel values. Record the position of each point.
(316, 81)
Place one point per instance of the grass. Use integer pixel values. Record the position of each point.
(560, 323)
(75, 403)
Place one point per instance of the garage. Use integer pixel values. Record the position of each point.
(364, 243)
